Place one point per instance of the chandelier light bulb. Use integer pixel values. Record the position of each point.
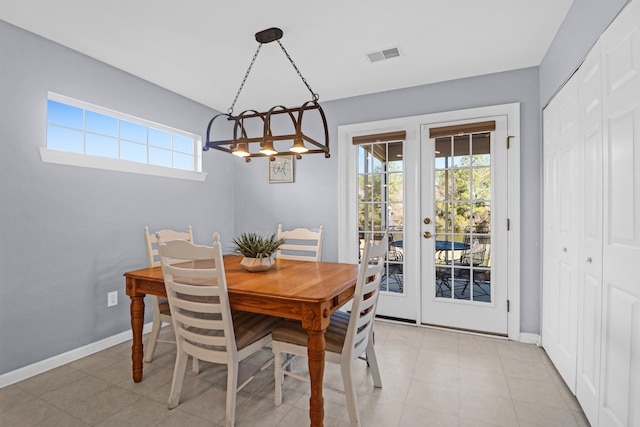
(241, 150)
(298, 146)
(268, 149)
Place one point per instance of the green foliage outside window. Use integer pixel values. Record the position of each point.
(463, 196)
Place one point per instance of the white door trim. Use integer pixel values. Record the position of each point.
(347, 187)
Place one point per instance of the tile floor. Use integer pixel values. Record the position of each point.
(430, 378)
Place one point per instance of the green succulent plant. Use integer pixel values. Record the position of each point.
(254, 245)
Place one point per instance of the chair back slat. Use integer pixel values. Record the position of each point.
(301, 244)
(213, 321)
(197, 338)
(365, 297)
(183, 272)
(211, 355)
(197, 306)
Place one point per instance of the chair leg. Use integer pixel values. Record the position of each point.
(232, 388)
(350, 393)
(196, 366)
(178, 378)
(289, 358)
(278, 376)
(153, 337)
(372, 361)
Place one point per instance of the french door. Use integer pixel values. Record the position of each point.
(387, 183)
(383, 209)
(464, 222)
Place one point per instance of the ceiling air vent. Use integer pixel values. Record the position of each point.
(383, 54)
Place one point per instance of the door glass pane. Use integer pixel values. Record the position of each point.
(395, 187)
(443, 217)
(461, 150)
(379, 155)
(481, 183)
(481, 148)
(378, 217)
(482, 215)
(364, 188)
(461, 184)
(482, 285)
(443, 281)
(443, 185)
(396, 162)
(365, 215)
(443, 153)
(378, 185)
(463, 218)
(381, 205)
(461, 288)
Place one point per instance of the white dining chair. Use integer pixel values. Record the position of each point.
(205, 326)
(348, 336)
(161, 310)
(301, 244)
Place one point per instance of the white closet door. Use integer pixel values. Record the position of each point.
(620, 370)
(561, 226)
(590, 252)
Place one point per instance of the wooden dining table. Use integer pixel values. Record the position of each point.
(301, 290)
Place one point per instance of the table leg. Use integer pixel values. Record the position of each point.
(316, 349)
(137, 320)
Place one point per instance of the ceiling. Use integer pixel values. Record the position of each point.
(201, 48)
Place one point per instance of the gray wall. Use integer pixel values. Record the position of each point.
(67, 234)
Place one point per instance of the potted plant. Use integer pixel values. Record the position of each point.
(257, 250)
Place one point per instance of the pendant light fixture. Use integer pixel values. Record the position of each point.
(239, 143)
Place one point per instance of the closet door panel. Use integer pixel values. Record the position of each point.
(590, 271)
(620, 366)
(560, 245)
(619, 393)
(621, 270)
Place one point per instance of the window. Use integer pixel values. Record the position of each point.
(82, 134)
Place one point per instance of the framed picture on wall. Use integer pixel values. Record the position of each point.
(281, 169)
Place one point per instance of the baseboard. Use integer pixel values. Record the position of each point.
(68, 357)
(524, 337)
(530, 338)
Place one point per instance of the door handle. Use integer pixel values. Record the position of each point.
(427, 221)
(426, 235)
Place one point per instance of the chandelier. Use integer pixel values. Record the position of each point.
(249, 134)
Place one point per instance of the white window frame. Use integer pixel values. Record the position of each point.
(49, 155)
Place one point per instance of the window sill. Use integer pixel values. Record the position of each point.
(88, 161)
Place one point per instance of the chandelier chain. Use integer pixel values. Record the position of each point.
(255, 55)
(314, 95)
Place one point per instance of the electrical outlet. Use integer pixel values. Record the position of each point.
(112, 298)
